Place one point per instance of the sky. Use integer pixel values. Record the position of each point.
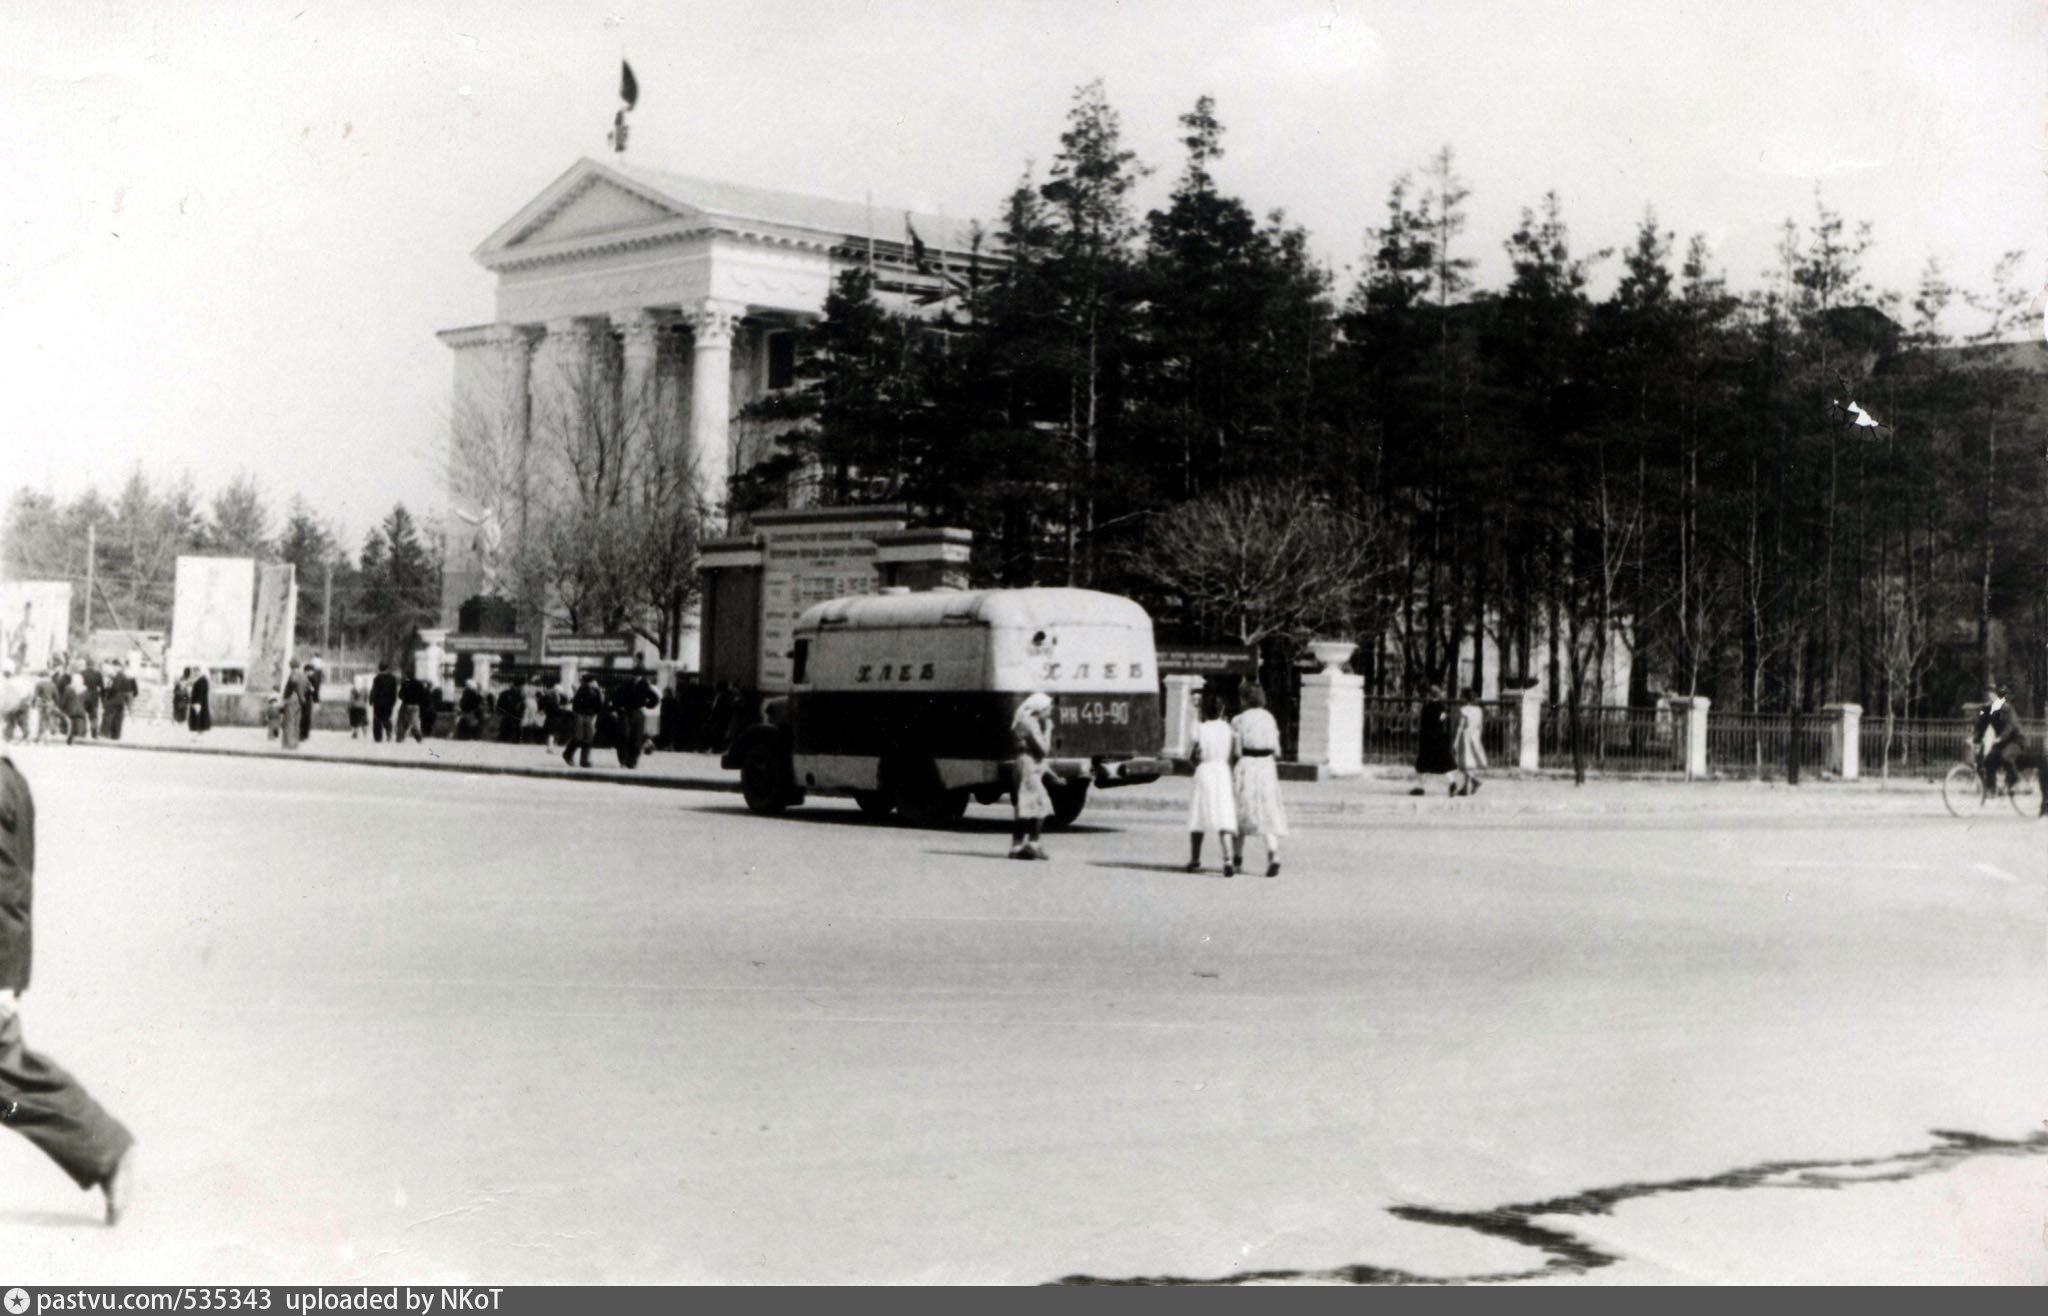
(236, 228)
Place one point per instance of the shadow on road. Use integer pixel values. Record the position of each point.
(988, 825)
(1179, 870)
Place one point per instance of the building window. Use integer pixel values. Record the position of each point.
(781, 360)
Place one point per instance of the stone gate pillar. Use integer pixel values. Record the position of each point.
(1846, 740)
(1529, 753)
(1333, 713)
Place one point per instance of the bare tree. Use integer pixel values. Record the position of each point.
(1261, 560)
(1903, 646)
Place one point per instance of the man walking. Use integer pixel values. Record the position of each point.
(37, 1098)
(120, 692)
(383, 698)
(411, 694)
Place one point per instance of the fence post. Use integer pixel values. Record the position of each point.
(1848, 739)
(1333, 713)
(1695, 708)
(1531, 749)
(1183, 710)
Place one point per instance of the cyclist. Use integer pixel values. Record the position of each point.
(2001, 744)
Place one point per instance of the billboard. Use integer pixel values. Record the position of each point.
(210, 611)
(35, 621)
(277, 598)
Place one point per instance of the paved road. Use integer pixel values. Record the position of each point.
(378, 1026)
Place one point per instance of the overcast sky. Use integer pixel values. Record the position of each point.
(235, 228)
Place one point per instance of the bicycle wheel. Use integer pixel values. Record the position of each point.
(2026, 795)
(1962, 790)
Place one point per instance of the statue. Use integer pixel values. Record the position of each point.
(490, 535)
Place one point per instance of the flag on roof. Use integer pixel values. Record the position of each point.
(917, 252)
(629, 86)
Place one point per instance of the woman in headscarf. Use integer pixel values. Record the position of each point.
(1257, 777)
(1031, 739)
(1213, 807)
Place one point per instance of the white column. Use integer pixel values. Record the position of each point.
(713, 323)
(642, 341)
(1694, 707)
(1848, 738)
(1530, 752)
(1333, 713)
(1183, 711)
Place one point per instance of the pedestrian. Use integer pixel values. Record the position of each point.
(511, 708)
(37, 1098)
(309, 700)
(469, 712)
(93, 683)
(1433, 757)
(72, 695)
(1257, 777)
(181, 697)
(669, 721)
(1213, 807)
(430, 707)
(1031, 740)
(383, 698)
(720, 715)
(622, 705)
(585, 706)
(548, 703)
(120, 692)
(1468, 744)
(291, 708)
(316, 676)
(358, 710)
(200, 717)
(411, 694)
(642, 699)
(533, 724)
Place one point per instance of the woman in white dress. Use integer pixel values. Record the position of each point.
(1257, 777)
(1468, 744)
(1031, 740)
(1213, 807)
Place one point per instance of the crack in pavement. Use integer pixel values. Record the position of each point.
(1568, 1254)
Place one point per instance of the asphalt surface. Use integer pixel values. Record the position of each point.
(435, 1027)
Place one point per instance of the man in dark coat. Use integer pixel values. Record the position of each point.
(585, 705)
(412, 693)
(511, 710)
(199, 705)
(1433, 756)
(93, 683)
(383, 698)
(37, 1098)
(120, 692)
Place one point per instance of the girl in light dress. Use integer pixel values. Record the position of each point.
(1257, 777)
(1214, 806)
(1031, 736)
(1468, 745)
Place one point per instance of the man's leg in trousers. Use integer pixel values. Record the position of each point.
(47, 1106)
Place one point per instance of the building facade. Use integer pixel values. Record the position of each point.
(665, 303)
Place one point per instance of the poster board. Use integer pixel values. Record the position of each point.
(210, 612)
(35, 622)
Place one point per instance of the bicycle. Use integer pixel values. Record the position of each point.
(1967, 793)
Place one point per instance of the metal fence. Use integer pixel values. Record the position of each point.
(1393, 729)
(1620, 739)
(1613, 738)
(1760, 744)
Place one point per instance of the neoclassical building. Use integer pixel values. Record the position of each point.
(686, 292)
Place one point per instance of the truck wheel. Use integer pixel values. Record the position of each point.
(919, 794)
(1067, 800)
(765, 779)
(875, 804)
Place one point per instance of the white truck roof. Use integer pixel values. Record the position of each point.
(1004, 608)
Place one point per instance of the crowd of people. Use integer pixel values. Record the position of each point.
(88, 698)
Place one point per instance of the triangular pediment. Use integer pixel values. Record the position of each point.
(589, 201)
(600, 207)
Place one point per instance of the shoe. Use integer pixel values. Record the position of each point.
(1229, 870)
(569, 760)
(1020, 851)
(1418, 791)
(119, 1187)
(586, 760)
(1473, 789)
(1273, 869)
(1036, 852)
(1194, 866)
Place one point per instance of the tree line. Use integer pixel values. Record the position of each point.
(1804, 491)
(369, 600)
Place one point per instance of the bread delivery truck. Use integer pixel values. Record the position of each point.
(905, 701)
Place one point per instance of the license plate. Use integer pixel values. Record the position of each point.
(1095, 713)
